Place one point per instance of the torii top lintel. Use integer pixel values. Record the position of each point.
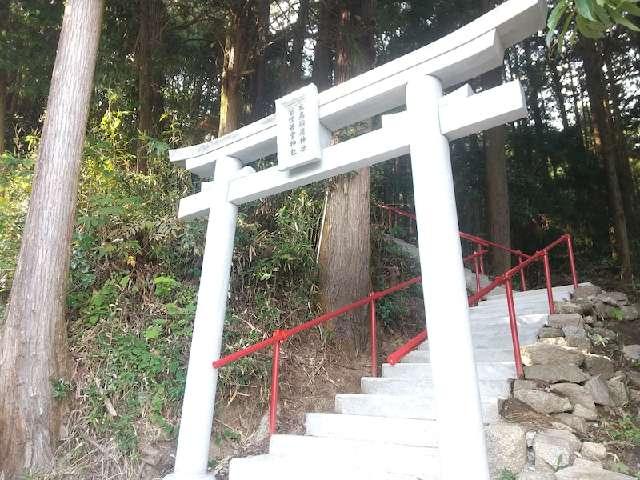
(464, 54)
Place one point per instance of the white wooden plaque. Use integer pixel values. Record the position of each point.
(301, 136)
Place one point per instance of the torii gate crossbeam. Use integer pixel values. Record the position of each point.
(424, 131)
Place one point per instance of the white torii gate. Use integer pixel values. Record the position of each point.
(300, 132)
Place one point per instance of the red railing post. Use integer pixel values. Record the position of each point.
(572, 261)
(523, 279)
(513, 323)
(547, 276)
(476, 269)
(374, 335)
(275, 368)
(480, 249)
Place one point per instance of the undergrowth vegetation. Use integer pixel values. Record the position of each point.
(133, 286)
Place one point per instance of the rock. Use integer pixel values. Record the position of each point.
(618, 391)
(631, 352)
(506, 447)
(543, 402)
(555, 373)
(573, 307)
(583, 472)
(584, 463)
(519, 384)
(585, 292)
(542, 354)
(555, 449)
(574, 331)
(556, 341)
(633, 377)
(594, 451)
(560, 320)
(634, 395)
(599, 391)
(528, 475)
(589, 319)
(599, 365)
(550, 332)
(617, 299)
(576, 394)
(630, 313)
(576, 423)
(605, 333)
(579, 342)
(584, 412)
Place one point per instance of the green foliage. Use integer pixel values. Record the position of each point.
(591, 18)
(61, 388)
(626, 429)
(507, 475)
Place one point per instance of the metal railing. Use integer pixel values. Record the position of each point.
(506, 279)
(280, 336)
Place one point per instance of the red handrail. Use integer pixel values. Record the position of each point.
(280, 336)
(506, 279)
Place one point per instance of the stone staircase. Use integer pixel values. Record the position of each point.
(389, 430)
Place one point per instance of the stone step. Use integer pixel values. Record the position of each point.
(481, 355)
(402, 431)
(287, 468)
(399, 406)
(403, 386)
(417, 371)
(379, 456)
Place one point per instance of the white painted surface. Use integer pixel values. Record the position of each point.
(387, 412)
(444, 288)
(459, 115)
(464, 54)
(192, 456)
(301, 136)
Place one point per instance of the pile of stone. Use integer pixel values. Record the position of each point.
(572, 388)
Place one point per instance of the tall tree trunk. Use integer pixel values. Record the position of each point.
(33, 346)
(3, 110)
(149, 38)
(625, 174)
(345, 246)
(498, 215)
(605, 143)
(299, 37)
(236, 56)
(497, 185)
(325, 44)
(260, 106)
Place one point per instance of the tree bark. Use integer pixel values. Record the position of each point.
(149, 38)
(3, 110)
(345, 246)
(299, 37)
(605, 143)
(236, 57)
(260, 106)
(33, 347)
(325, 42)
(625, 174)
(498, 214)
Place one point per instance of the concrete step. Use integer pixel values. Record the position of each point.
(380, 456)
(403, 386)
(287, 468)
(418, 371)
(481, 355)
(402, 431)
(400, 406)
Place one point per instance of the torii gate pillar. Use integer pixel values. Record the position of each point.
(198, 404)
(445, 297)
